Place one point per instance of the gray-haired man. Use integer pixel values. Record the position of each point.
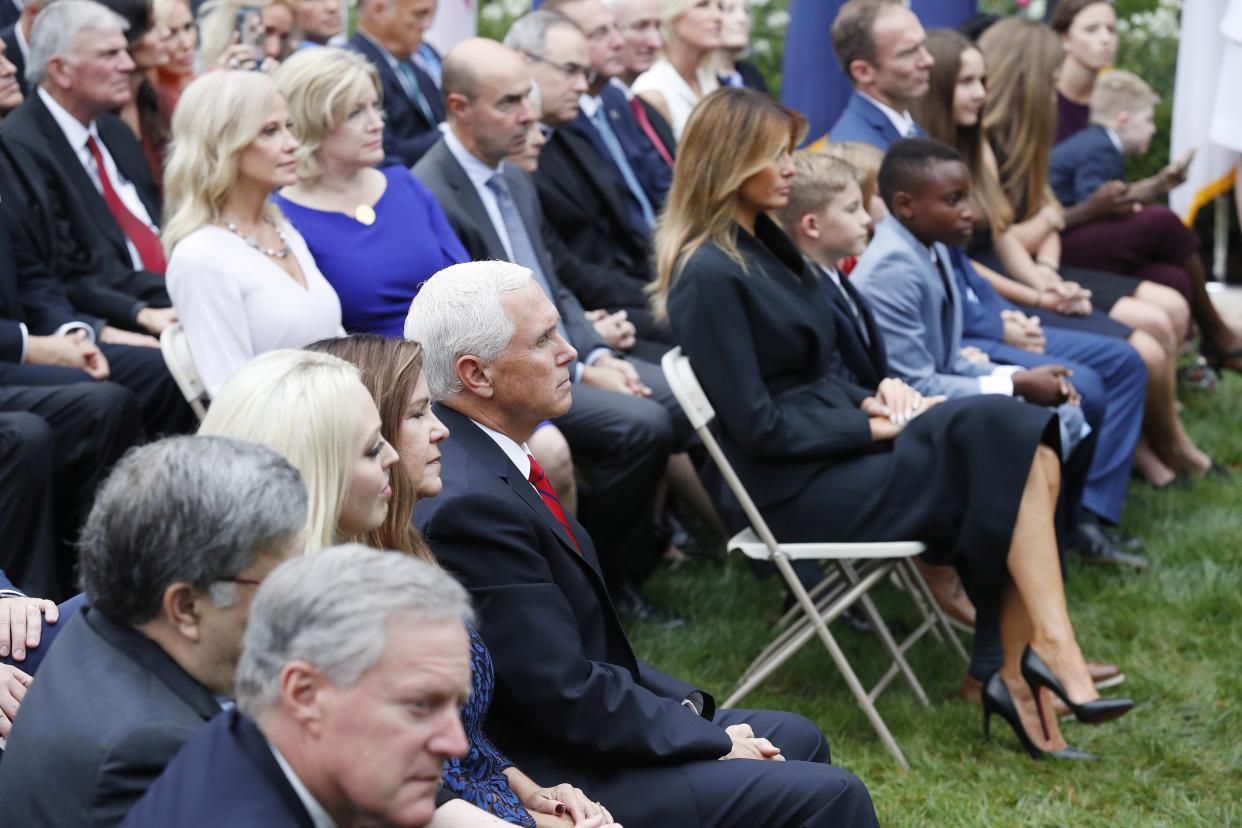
(180, 535)
(349, 702)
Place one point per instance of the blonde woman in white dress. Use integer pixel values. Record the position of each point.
(684, 73)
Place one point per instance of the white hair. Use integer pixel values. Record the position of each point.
(56, 29)
(457, 312)
(331, 609)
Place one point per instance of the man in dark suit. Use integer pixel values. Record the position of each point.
(571, 699)
(625, 421)
(179, 536)
(316, 740)
(590, 189)
(89, 164)
(389, 33)
(880, 47)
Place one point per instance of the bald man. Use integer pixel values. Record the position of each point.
(624, 423)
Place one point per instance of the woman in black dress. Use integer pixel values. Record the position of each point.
(823, 460)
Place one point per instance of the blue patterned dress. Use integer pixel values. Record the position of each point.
(478, 777)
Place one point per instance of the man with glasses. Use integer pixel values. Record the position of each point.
(180, 535)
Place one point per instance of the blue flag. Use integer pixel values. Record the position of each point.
(944, 14)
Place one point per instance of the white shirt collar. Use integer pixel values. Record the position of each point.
(518, 455)
(388, 56)
(624, 87)
(589, 104)
(319, 817)
(1115, 138)
(22, 45)
(475, 168)
(903, 121)
(73, 129)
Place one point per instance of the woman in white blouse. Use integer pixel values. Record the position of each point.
(684, 72)
(240, 277)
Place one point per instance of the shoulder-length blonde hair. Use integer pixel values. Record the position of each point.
(732, 134)
(935, 113)
(1022, 59)
(389, 368)
(218, 116)
(321, 86)
(305, 406)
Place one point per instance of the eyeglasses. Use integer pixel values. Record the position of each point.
(569, 70)
(242, 581)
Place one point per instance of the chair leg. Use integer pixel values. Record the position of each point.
(881, 629)
(902, 576)
(917, 578)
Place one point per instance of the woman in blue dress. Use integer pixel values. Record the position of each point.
(392, 371)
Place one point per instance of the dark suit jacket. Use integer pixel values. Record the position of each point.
(449, 183)
(571, 699)
(587, 204)
(865, 360)
(407, 134)
(87, 237)
(1082, 162)
(109, 711)
(650, 167)
(13, 52)
(863, 121)
(226, 775)
(9, 12)
(752, 78)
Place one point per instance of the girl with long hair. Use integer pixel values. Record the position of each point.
(240, 276)
(820, 455)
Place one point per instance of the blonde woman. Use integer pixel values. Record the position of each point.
(220, 47)
(376, 234)
(691, 30)
(314, 409)
(241, 277)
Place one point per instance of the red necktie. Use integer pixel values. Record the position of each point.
(544, 487)
(644, 123)
(134, 228)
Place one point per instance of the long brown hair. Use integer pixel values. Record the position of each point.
(934, 112)
(1022, 59)
(731, 135)
(389, 369)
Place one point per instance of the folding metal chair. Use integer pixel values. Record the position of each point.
(851, 570)
(176, 350)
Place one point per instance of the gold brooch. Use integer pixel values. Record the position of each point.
(365, 214)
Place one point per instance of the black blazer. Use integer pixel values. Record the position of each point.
(571, 698)
(407, 133)
(587, 204)
(109, 711)
(867, 363)
(763, 338)
(87, 235)
(28, 295)
(13, 52)
(752, 78)
(448, 182)
(225, 775)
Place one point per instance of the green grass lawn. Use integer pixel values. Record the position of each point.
(1175, 760)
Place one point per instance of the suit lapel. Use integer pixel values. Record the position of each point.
(528, 207)
(468, 200)
(127, 153)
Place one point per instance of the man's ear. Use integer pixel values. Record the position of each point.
(1121, 120)
(57, 74)
(862, 73)
(475, 376)
(182, 608)
(903, 204)
(808, 225)
(301, 689)
(455, 102)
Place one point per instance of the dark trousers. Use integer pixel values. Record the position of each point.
(163, 410)
(1113, 382)
(60, 442)
(804, 790)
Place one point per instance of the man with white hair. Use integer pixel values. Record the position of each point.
(571, 700)
(181, 533)
(104, 198)
(348, 702)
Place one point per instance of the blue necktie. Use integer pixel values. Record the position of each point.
(600, 119)
(519, 241)
(414, 90)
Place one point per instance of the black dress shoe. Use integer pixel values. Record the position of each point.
(1096, 546)
(631, 603)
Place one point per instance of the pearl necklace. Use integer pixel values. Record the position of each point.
(275, 253)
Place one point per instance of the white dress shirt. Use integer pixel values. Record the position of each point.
(903, 122)
(236, 303)
(77, 134)
(320, 818)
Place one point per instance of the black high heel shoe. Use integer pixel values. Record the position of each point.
(996, 699)
(1037, 675)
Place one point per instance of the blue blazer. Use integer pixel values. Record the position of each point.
(652, 170)
(225, 775)
(922, 325)
(572, 702)
(981, 304)
(861, 120)
(1084, 161)
(407, 133)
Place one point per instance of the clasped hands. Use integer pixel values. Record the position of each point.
(746, 745)
(894, 405)
(1025, 332)
(565, 805)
